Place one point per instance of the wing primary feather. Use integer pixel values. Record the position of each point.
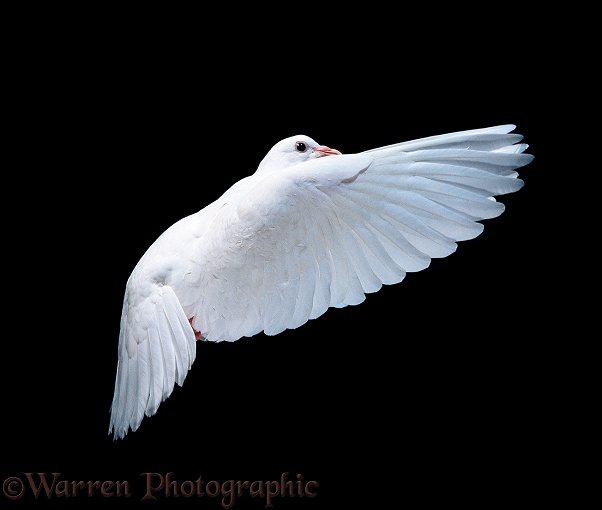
(132, 393)
(353, 291)
(369, 281)
(401, 252)
(307, 283)
(333, 290)
(415, 238)
(167, 350)
(381, 262)
(182, 350)
(460, 137)
(333, 266)
(322, 272)
(158, 373)
(143, 386)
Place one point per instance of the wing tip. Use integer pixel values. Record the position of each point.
(170, 348)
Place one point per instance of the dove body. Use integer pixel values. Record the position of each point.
(311, 229)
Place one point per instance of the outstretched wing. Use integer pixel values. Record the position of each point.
(325, 232)
(156, 350)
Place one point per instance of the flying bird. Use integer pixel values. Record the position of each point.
(311, 229)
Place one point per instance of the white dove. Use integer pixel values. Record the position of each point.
(304, 233)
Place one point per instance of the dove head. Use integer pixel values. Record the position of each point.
(292, 151)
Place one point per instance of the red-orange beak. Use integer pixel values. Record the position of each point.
(322, 150)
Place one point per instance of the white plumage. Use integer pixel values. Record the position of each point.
(304, 233)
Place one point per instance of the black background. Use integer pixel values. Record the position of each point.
(436, 390)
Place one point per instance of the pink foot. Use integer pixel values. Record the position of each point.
(197, 334)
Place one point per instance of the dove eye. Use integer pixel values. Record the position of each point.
(300, 147)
